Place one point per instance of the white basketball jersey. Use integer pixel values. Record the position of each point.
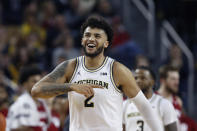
(101, 112)
(134, 122)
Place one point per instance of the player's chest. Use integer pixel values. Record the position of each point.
(132, 113)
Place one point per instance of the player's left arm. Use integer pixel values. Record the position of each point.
(171, 127)
(124, 78)
(169, 115)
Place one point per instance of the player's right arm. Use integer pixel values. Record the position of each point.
(124, 78)
(56, 82)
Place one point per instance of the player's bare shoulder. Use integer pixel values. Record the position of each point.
(71, 64)
(120, 71)
(123, 77)
(62, 72)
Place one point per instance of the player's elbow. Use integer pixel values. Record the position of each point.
(35, 91)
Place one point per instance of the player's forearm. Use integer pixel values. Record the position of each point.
(47, 90)
(23, 128)
(147, 112)
(171, 127)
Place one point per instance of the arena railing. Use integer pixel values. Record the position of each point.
(149, 13)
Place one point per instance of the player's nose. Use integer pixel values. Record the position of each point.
(91, 38)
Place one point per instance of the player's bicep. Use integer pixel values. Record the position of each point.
(123, 76)
(171, 127)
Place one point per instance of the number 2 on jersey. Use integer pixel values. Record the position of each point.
(87, 102)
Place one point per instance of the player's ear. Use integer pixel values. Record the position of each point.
(82, 41)
(152, 83)
(106, 44)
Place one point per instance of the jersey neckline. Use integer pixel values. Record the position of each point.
(152, 98)
(94, 70)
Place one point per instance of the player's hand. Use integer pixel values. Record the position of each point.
(85, 89)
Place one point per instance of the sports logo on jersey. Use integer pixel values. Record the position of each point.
(78, 73)
(103, 73)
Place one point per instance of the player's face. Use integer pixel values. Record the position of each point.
(143, 79)
(172, 81)
(94, 41)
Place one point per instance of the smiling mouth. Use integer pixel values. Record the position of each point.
(91, 46)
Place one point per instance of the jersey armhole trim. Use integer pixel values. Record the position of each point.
(76, 67)
(112, 78)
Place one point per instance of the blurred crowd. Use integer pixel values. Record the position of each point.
(40, 34)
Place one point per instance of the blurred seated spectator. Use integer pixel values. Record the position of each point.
(126, 53)
(55, 34)
(177, 59)
(12, 11)
(169, 86)
(48, 14)
(74, 18)
(61, 5)
(105, 9)
(4, 99)
(31, 25)
(142, 60)
(3, 37)
(60, 106)
(121, 36)
(66, 49)
(27, 113)
(87, 6)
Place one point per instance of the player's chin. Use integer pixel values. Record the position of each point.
(175, 91)
(90, 51)
(90, 54)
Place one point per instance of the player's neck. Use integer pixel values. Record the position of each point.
(148, 94)
(94, 62)
(164, 92)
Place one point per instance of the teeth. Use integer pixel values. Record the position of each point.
(91, 45)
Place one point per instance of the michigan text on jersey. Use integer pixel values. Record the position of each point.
(94, 82)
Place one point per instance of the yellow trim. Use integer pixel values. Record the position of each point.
(93, 70)
(111, 77)
(76, 67)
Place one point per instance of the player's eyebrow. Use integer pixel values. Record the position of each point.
(97, 34)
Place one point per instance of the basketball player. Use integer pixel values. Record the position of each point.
(169, 85)
(132, 119)
(95, 84)
(26, 113)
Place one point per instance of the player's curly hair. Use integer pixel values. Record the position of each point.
(96, 21)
